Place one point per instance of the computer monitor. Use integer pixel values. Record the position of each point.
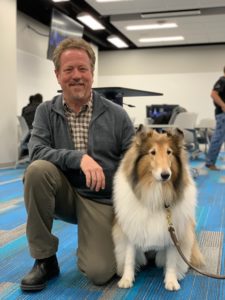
(61, 27)
(160, 113)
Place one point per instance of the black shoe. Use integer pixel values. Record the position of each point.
(42, 271)
(212, 167)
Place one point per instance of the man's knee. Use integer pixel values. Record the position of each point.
(99, 273)
(38, 169)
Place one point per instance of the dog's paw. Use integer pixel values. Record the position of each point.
(125, 283)
(172, 285)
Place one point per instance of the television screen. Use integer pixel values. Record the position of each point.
(62, 27)
(160, 113)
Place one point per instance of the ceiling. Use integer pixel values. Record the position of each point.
(200, 22)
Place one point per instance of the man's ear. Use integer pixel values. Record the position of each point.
(57, 75)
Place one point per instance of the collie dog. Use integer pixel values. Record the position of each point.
(153, 176)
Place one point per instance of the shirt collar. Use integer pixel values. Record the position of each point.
(87, 106)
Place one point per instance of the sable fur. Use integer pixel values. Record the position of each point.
(154, 173)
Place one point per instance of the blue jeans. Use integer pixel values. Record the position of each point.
(217, 140)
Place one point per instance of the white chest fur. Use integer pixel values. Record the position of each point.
(144, 220)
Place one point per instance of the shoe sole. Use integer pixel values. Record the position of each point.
(33, 288)
(39, 287)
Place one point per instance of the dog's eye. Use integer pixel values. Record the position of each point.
(152, 152)
(169, 151)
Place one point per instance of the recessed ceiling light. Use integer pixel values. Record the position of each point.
(171, 14)
(151, 26)
(113, 1)
(161, 39)
(60, 0)
(116, 41)
(90, 21)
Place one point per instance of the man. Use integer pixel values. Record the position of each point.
(218, 137)
(77, 141)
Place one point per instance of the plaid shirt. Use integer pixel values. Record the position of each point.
(79, 124)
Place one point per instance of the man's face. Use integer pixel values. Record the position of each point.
(75, 75)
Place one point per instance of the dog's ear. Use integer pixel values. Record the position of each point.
(180, 137)
(177, 136)
(141, 134)
(175, 132)
(140, 128)
(179, 133)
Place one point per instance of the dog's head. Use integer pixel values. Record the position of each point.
(156, 166)
(158, 153)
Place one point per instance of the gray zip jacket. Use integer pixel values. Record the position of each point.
(109, 136)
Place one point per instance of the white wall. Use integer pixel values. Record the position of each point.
(184, 75)
(8, 129)
(35, 73)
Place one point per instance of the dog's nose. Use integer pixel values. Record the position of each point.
(165, 176)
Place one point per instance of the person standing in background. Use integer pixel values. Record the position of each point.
(29, 110)
(218, 137)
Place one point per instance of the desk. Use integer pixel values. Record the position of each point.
(116, 94)
(160, 126)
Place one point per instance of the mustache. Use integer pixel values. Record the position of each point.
(76, 81)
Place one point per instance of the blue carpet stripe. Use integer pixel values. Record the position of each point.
(11, 190)
(11, 174)
(10, 180)
(10, 235)
(10, 204)
(13, 218)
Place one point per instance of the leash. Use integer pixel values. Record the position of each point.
(177, 245)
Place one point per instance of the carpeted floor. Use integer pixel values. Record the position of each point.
(71, 284)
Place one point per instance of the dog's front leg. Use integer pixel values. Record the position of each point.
(171, 282)
(129, 267)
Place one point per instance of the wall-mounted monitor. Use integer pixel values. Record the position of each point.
(160, 113)
(62, 27)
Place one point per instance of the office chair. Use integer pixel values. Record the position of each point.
(186, 121)
(24, 135)
(205, 129)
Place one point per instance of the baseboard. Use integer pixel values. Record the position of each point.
(7, 165)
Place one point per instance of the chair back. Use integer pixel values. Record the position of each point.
(24, 136)
(207, 123)
(205, 129)
(177, 110)
(23, 127)
(186, 120)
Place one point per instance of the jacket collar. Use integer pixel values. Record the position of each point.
(99, 105)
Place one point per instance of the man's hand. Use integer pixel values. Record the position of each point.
(95, 177)
(218, 100)
(223, 107)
